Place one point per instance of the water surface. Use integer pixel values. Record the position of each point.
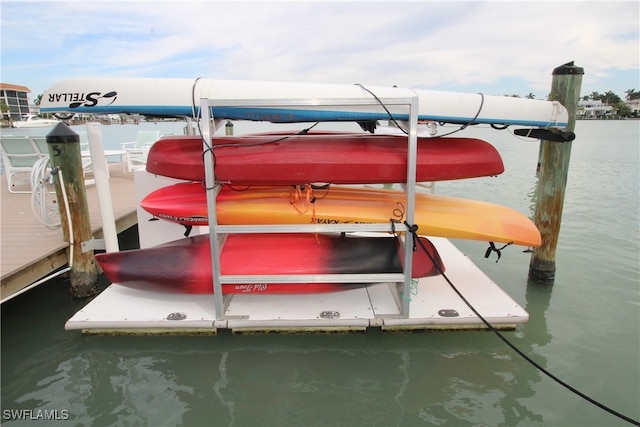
(585, 329)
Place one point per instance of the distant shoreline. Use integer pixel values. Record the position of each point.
(607, 118)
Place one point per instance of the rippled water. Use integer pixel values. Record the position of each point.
(584, 328)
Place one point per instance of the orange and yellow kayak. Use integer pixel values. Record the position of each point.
(435, 215)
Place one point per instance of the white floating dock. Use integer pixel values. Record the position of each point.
(434, 305)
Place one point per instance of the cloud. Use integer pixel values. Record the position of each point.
(437, 45)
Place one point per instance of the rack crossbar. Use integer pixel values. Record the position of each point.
(312, 228)
(314, 278)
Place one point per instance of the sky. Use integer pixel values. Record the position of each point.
(493, 47)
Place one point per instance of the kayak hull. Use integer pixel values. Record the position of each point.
(289, 102)
(289, 159)
(184, 266)
(435, 215)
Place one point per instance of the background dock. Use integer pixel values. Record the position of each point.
(30, 251)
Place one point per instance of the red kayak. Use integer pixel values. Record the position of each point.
(323, 157)
(184, 266)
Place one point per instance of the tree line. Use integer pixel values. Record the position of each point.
(611, 98)
(608, 98)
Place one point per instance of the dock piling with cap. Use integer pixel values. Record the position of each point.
(552, 175)
(66, 163)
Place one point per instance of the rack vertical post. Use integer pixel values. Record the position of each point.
(210, 184)
(410, 190)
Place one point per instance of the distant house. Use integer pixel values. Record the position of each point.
(593, 108)
(16, 98)
(634, 106)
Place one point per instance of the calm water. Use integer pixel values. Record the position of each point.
(585, 329)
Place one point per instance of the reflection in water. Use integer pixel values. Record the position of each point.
(404, 372)
(472, 388)
(68, 389)
(538, 300)
(104, 389)
(147, 395)
(538, 297)
(223, 382)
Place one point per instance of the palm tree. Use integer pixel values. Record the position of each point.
(631, 94)
(610, 98)
(4, 108)
(530, 96)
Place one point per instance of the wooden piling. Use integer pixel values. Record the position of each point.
(64, 153)
(552, 175)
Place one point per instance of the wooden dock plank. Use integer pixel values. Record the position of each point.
(30, 251)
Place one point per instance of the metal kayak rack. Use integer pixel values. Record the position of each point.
(217, 231)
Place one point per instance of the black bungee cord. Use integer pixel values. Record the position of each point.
(464, 126)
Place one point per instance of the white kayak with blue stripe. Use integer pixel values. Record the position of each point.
(282, 102)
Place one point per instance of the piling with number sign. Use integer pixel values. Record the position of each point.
(66, 163)
(552, 175)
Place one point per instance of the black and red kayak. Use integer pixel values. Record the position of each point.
(184, 266)
(323, 157)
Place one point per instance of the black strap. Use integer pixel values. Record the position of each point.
(547, 134)
(413, 229)
(492, 248)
